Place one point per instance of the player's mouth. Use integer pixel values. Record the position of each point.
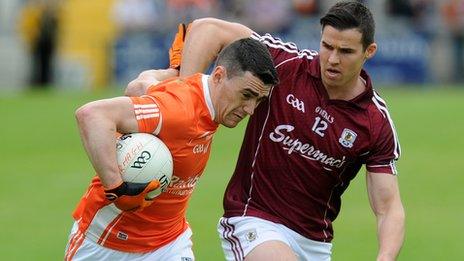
(238, 116)
(332, 73)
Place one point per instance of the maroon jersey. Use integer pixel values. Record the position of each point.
(302, 149)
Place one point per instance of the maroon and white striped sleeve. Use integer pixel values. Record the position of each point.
(282, 51)
(386, 148)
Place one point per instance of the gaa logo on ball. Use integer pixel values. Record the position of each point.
(142, 158)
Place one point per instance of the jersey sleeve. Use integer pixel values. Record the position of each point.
(282, 51)
(147, 114)
(385, 150)
(161, 109)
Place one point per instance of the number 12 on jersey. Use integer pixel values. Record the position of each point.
(319, 126)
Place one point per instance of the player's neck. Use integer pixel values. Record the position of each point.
(347, 91)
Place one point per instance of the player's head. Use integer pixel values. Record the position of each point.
(347, 41)
(243, 76)
(351, 15)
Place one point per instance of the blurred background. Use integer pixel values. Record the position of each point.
(56, 55)
(96, 44)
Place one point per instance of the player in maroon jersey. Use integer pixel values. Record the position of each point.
(304, 145)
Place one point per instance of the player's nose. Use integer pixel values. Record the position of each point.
(249, 107)
(334, 58)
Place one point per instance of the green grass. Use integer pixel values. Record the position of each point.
(44, 171)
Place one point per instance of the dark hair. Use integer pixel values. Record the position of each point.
(349, 15)
(248, 55)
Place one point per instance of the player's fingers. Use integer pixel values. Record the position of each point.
(154, 184)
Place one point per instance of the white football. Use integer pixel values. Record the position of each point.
(142, 158)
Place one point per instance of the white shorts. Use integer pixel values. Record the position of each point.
(178, 250)
(240, 235)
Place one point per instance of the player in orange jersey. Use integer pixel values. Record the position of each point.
(184, 113)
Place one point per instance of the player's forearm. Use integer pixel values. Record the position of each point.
(205, 39)
(390, 232)
(98, 137)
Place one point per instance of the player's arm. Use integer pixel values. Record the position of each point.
(205, 39)
(139, 85)
(384, 197)
(98, 123)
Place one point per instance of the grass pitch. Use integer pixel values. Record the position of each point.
(44, 172)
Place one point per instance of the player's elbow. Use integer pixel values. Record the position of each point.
(205, 24)
(134, 88)
(223, 31)
(139, 85)
(204, 27)
(85, 114)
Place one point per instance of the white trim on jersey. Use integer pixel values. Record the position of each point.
(256, 152)
(146, 111)
(259, 142)
(147, 116)
(393, 167)
(145, 106)
(383, 109)
(289, 47)
(148, 108)
(102, 219)
(379, 166)
(158, 128)
(108, 232)
(206, 93)
(293, 58)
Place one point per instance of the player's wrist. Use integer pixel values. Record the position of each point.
(116, 191)
(111, 183)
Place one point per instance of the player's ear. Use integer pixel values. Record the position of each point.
(218, 74)
(370, 51)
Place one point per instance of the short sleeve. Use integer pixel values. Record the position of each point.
(385, 150)
(147, 114)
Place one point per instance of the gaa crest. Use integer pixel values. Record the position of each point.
(347, 138)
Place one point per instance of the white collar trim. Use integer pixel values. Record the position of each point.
(206, 93)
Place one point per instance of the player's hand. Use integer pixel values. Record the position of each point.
(130, 196)
(175, 52)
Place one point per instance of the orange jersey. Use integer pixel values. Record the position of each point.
(179, 112)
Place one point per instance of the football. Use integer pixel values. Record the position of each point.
(142, 158)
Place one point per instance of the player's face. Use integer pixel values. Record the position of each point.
(342, 56)
(238, 97)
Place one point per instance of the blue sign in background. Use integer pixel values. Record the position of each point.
(135, 53)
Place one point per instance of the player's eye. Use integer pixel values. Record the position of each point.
(246, 95)
(346, 51)
(325, 45)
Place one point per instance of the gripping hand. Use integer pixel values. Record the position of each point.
(130, 196)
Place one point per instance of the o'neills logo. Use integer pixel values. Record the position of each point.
(306, 150)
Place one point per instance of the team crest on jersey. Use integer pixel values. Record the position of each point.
(348, 137)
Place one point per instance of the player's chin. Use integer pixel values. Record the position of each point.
(231, 123)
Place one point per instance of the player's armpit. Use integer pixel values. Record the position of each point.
(130, 196)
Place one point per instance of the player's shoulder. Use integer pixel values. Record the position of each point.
(182, 97)
(284, 51)
(176, 90)
(378, 111)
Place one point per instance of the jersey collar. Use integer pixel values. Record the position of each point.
(207, 95)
